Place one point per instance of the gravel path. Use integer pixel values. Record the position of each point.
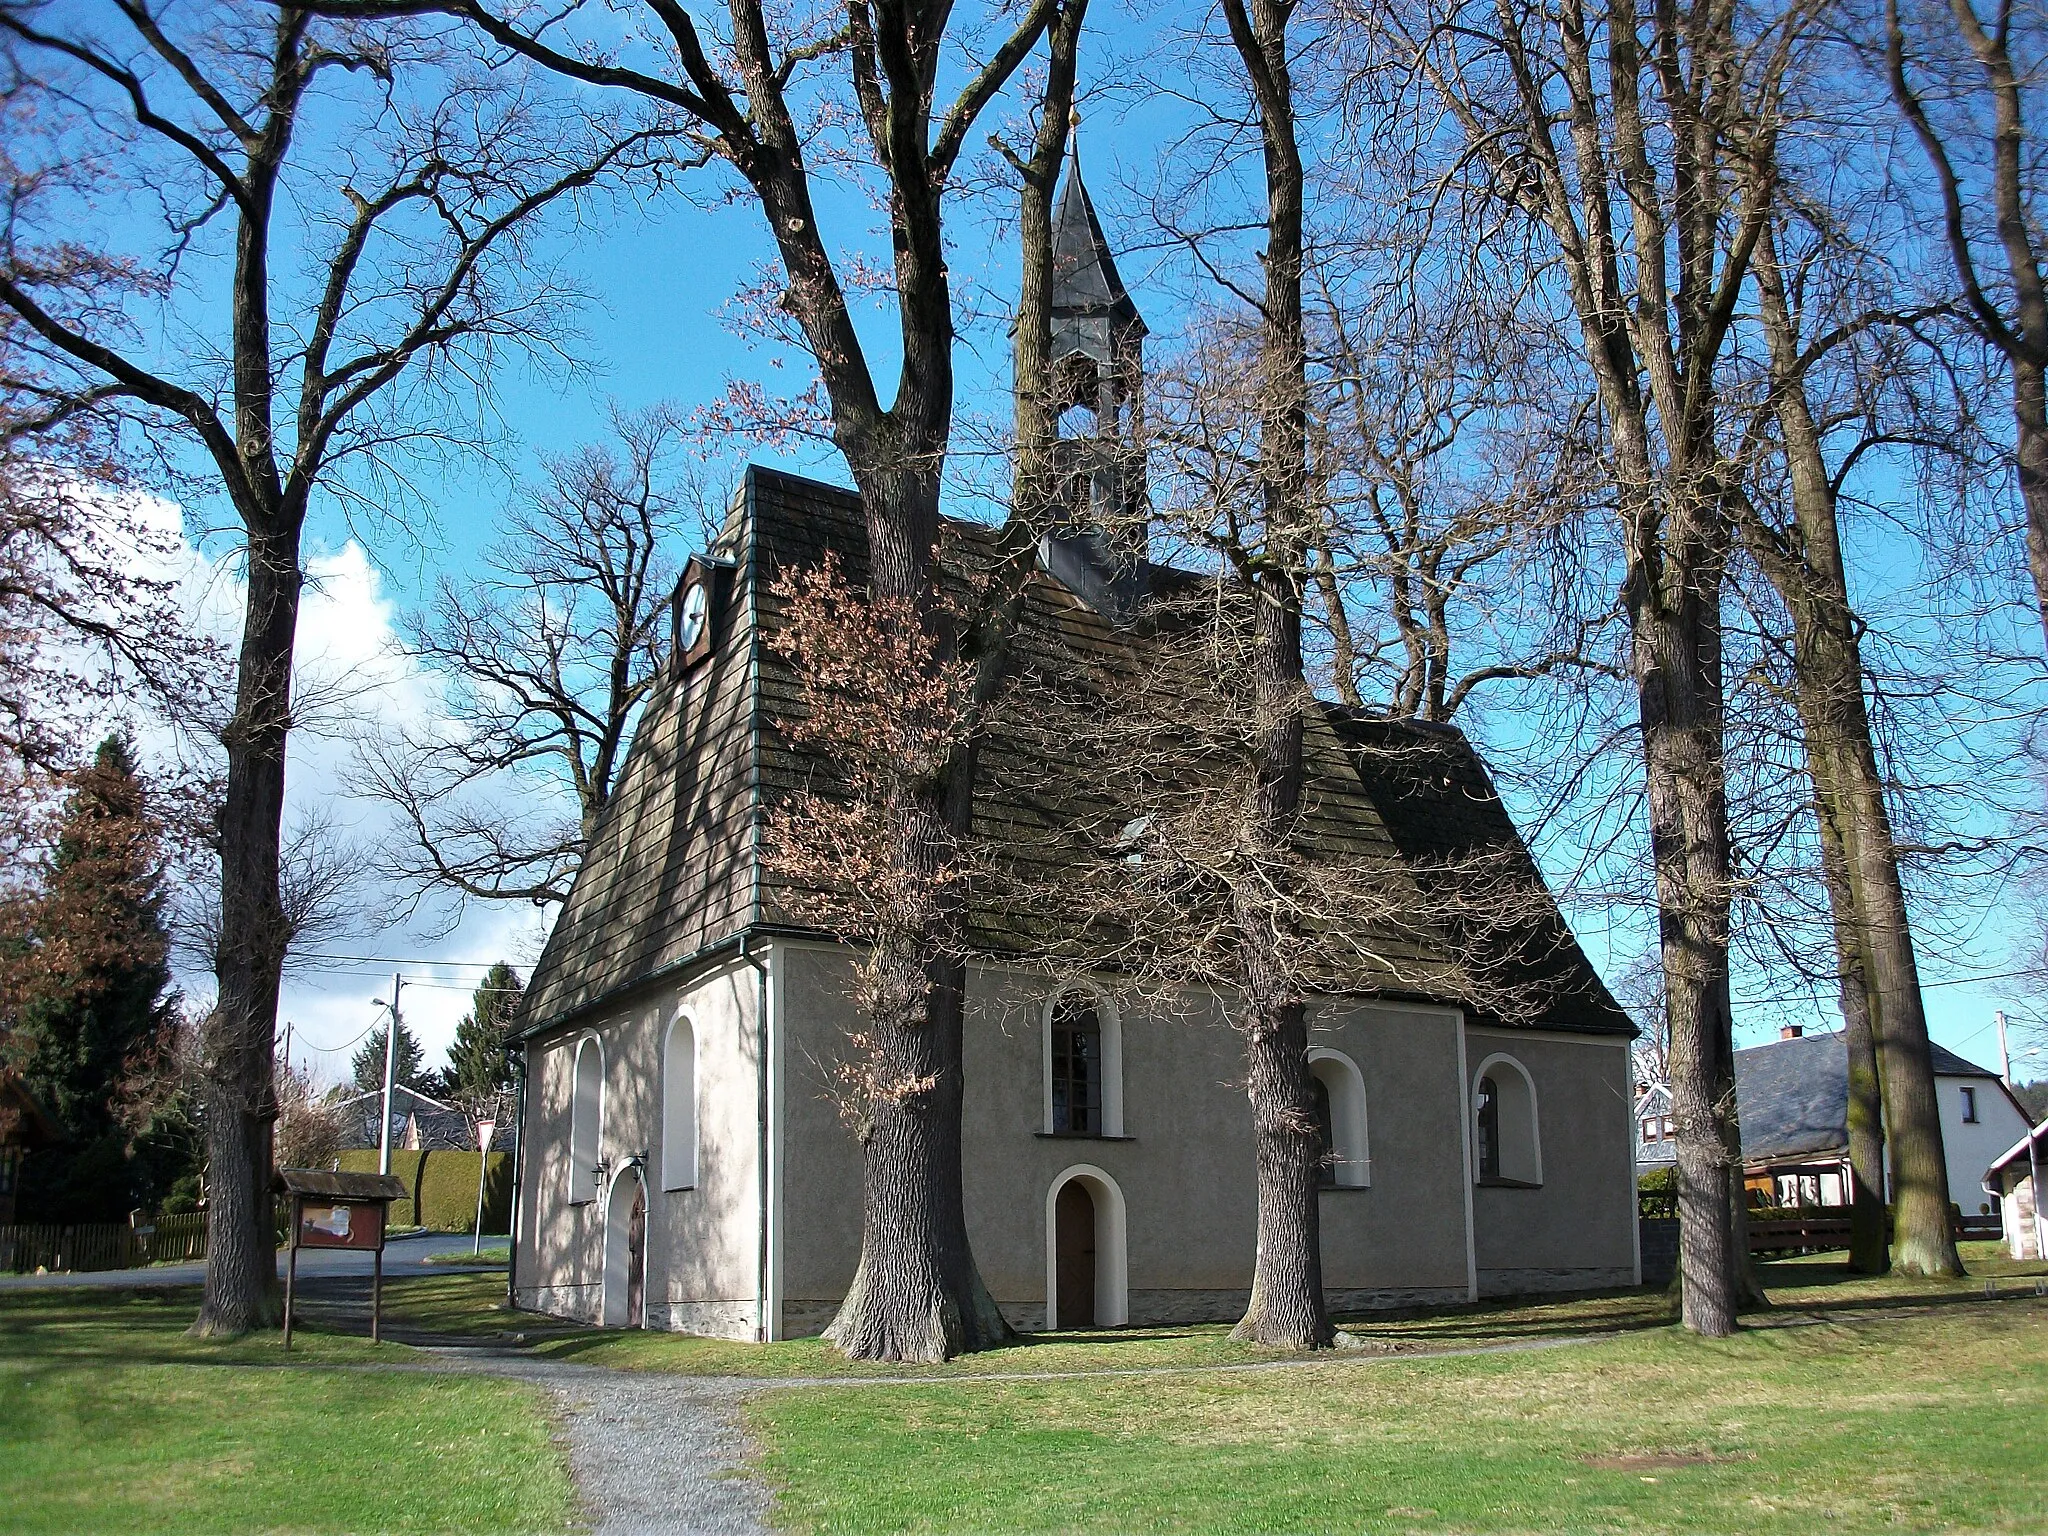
(653, 1455)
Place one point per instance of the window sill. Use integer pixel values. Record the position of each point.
(1079, 1136)
(1342, 1189)
(676, 1189)
(1505, 1184)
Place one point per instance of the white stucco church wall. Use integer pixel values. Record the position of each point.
(764, 1243)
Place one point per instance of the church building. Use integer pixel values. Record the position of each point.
(682, 1164)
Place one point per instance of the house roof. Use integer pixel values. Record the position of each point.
(335, 1185)
(440, 1125)
(23, 1120)
(2038, 1136)
(671, 876)
(1793, 1095)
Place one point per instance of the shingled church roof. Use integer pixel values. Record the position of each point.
(672, 879)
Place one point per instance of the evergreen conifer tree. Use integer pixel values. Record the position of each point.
(477, 1069)
(367, 1065)
(95, 944)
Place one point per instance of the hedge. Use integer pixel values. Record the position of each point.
(441, 1187)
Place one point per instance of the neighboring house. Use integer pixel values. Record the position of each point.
(2012, 1174)
(24, 1124)
(683, 1167)
(1793, 1098)
(418, 1123)
(1654, 1125)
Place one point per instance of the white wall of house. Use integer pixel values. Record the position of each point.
(2022, 1238)
(1971, 1145)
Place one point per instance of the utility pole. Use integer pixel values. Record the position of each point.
(390, 1073)
(2004, 1050)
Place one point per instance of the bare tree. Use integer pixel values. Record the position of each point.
(1287, 1306)
(1451, 480)
(418, 190)
(89, 626)
(1885, 1022)
(753, 94)
(1608, 137)
(310, 1125)
(1966, 86)
(543, 662)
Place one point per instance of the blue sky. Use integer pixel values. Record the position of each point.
(660, 330)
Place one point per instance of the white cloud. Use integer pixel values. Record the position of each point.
(351, 670)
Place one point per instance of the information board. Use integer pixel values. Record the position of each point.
(341, 1224)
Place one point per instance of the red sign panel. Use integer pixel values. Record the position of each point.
(341, 1224)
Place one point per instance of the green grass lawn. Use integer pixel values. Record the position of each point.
(1921, 1417)
(473, 1305)
(491, 1253)
(111, 1420)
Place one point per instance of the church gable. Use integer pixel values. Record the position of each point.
(668, 872)
(673, 870)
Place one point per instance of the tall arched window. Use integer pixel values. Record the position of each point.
(1083, 1065)
(1506, 1147)
(679, 1105)
(1076, 1068)
(586, 1119)
(1339, 1090)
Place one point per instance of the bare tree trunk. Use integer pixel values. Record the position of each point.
(917, 1294)
(1689, 832)
(241, 1290)
(1869, 1246)
(1872, 928)
(1287, 1305)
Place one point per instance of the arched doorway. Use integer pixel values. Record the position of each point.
(1074, 1255)
(625, 1252)
(1086, 1256)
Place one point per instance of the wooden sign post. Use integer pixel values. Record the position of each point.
(338, 1210)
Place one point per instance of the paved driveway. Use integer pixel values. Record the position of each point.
(402, 1256)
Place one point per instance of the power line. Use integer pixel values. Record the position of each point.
(481, 965)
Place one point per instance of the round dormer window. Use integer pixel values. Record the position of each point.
(695, 605)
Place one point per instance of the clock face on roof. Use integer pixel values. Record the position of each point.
(695, 605)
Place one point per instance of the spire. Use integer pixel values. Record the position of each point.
(1084, 276)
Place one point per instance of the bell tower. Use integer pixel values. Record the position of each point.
(1098, 375)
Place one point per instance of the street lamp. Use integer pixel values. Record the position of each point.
(390, 1072)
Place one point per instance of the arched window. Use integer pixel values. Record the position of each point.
(1083, 1065)
(1339, 1090)
(679, 1105)
(1505, 1143)
(586, 1119)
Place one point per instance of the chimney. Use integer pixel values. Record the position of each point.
(1791, 1031)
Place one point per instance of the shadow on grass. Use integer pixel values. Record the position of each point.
(144, 1325)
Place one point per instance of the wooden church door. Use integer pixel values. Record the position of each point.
(1074, 1259)
(636, 1261)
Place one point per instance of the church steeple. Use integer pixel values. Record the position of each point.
(1092, 313)
(1098, 375)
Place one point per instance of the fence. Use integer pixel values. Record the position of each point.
(102, 1245)
(179, 1239)
(175, 1239)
